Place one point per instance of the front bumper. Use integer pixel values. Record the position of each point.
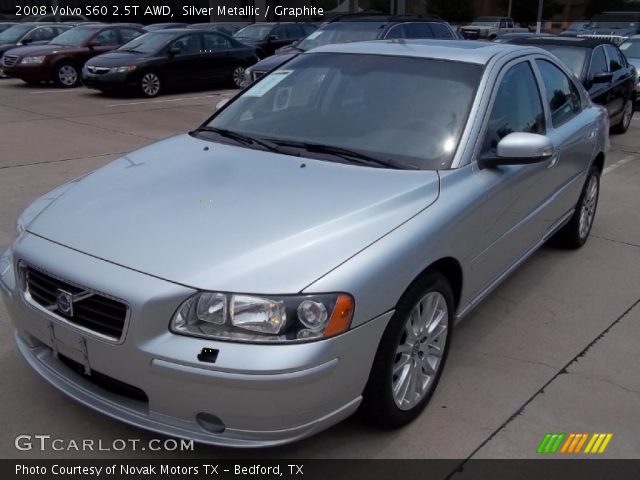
(108, 81)
(33, 72)
(258, 395)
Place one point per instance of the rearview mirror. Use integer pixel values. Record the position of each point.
(519, 148)
(602, 77)
(175, 50)
(221, 103)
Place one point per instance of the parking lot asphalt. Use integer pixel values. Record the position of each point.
(554, 349)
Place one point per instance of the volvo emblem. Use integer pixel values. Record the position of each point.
(64, 302)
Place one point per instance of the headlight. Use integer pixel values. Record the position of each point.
(32, 60)
(263, 319)
(125, 68)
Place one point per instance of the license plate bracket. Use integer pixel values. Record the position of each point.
(69, 344)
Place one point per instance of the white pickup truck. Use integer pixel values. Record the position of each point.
(488, 28)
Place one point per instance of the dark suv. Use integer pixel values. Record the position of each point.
(602, 69)
(61, 60)
(356, 28)
(268, 37)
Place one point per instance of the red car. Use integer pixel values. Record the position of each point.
(61, 60)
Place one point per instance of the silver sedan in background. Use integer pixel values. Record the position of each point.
(307, 251)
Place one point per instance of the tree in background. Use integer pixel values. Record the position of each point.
(594, 7)
(455, 11)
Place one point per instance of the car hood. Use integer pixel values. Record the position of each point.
(274, 61)
(37, 50)
(6, 46)
(231, 218)
(115, 59)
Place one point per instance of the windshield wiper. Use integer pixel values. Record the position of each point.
(241, 138)
(347, 154)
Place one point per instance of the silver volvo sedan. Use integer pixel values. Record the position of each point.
(307, 251)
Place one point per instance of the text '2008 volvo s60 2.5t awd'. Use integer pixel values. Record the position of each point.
(307, 251)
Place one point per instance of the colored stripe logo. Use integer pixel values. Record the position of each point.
(573, 443)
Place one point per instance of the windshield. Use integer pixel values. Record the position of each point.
(15, 33)
(341, 33)
(343, 101)
(147, 43)
(75, 37)
(254, 32)
(486, 21)
(631, 48)
(573, 57)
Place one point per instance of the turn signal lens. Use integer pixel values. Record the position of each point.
(341, 316)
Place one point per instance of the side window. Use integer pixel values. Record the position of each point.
(616, 62)
(598, 62)
(441, 31)
(213, 42)
(40, 34)
(293, 31)
(562, 95)
(280, 32)
(128, 34)
(503, 23)
(397, 31)
(418, 30)
(106, 37)
(188, 45)
(517, 106)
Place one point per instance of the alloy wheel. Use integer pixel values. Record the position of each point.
(628, 114)
(419, 353)
(238, 76)
(68, 75)
(150, 84)
(588, 207)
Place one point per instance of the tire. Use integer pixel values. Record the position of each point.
(576, 232)
(396, 359)
(150, 84)
(625, 122)
(66, 75)
(237, 76)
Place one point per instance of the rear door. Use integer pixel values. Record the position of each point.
(185, 67)
(600, 93)
(218, 57)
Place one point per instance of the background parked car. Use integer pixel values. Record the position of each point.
(62, 59)
(170, 59)
(268, 37)
(351, 28)
(602, 69)
(512, 37)
(574, 28)
(631, 50)
(5, 25)
(29, 33)
(489, 28)
(53, 18)
(163, 26)
(613, 26)
(222, 27)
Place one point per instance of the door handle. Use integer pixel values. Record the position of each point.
(554, 159)
(591, 135)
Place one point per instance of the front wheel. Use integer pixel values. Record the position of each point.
(625, 122)
(411, 354)
(575, 233)
(150, 84)
(67, 75)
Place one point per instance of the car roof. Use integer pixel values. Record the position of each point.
(384, 18)
(470, 51)
(585, 42)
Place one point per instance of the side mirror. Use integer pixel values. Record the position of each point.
(174, 50)
(271, 38)
(26, 41)
(519, 148)
(93, 44)
(602, 77)
(221, 103)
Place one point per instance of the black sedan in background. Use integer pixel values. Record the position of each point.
(5, 25)
(29, 33)
(222, 27)
(164, 26)
(267, 37)
(170, 59)
(602, 69)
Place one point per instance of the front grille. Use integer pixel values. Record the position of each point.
(106, 382)
(90, 310)
(98, 70)
(9, 60)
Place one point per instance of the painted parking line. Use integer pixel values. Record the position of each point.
(620, 163)
(179, 99)
(60, 90)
